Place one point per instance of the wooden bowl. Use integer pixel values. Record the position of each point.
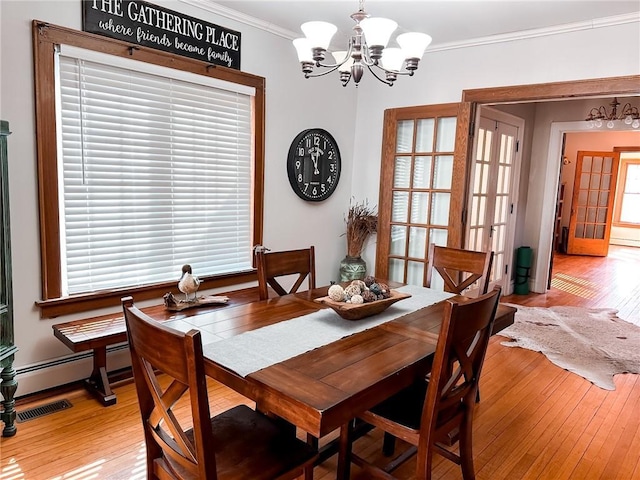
(356, 311)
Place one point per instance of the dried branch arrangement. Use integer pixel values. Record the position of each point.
(361, 221)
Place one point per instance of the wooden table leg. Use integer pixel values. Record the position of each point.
(344, 453)
(98, 382)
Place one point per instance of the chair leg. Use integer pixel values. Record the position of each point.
(424, 459)
(388, 444)
(308, 473)
(466, 450)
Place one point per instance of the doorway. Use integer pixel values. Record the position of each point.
(547, 183)
(567, 139)
(623, 229)
(493, 191)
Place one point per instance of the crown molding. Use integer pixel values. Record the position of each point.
(231, 14)
(634, 17)
(539, 32)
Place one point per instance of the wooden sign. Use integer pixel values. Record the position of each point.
(152, 26)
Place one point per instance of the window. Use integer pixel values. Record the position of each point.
(155, 167)
(627, 211)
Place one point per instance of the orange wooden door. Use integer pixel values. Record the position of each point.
(594, 191)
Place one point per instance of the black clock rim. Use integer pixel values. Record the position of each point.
(290, 160)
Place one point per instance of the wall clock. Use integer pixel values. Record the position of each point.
(313, 164)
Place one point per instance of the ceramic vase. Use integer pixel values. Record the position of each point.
(352, 268)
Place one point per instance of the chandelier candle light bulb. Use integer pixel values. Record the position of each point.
(367, 48)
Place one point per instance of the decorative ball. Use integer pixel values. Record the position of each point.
(375, 288)
(336, 293)
(386, 291)
(352, 290)
(357, 299)
(368, 280)
(360, 284)
(369, 296)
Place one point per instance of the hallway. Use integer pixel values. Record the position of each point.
(605, 282)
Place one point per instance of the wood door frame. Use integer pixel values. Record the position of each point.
(571, 90)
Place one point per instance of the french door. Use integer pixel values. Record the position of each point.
(493, 184)
(594, 191)
(417, 180)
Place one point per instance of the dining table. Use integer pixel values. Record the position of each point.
(299, 360)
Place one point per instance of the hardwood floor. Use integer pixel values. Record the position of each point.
(535, 420)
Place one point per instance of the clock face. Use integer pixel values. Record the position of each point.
(313, 165)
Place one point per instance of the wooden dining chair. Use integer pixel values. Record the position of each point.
(459, 268)
(274, 265)
(425, 413)
(238, 444)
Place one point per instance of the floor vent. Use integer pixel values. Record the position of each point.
(43, 410)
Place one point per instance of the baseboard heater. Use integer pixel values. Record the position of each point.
(64, 360)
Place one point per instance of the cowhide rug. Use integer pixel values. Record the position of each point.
(592, 342)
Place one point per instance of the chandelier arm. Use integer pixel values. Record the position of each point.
(407, 73)
(332, 68)
(336, 64)
(366, 59)
(376, 75)
(629, 110)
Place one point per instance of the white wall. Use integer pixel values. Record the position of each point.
(354, 117)
(293, 104)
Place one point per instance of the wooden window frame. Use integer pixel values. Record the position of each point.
(622, 179)
(46, 38)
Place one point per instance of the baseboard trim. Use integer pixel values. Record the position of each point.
(120, 375)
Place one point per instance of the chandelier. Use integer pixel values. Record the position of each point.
(598, 116)
(367, 48)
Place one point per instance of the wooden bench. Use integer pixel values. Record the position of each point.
(97, 333)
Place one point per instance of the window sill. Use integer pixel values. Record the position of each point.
(55, 307)
(626, 225)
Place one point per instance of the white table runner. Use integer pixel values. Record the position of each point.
(257, 349)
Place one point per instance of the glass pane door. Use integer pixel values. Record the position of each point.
(592, 203)
(420, 194)
(491, 223)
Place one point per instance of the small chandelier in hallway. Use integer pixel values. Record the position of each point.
(599, 116)
(367, 48)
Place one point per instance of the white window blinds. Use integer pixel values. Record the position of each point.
(155, 172)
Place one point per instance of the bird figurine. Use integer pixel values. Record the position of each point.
(188, 283)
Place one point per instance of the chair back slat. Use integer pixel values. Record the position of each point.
(272, 265)
(459, 268)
